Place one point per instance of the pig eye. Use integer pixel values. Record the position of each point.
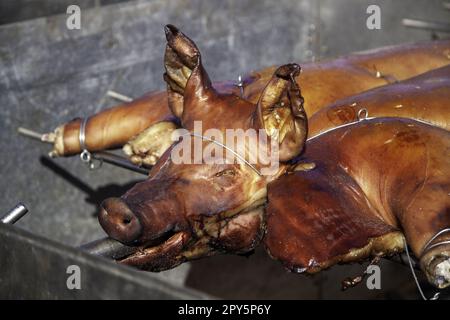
(226, 172)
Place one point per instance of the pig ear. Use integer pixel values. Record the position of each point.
(187, 81)
(280, 111)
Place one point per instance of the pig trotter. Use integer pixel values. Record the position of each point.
(147, 147)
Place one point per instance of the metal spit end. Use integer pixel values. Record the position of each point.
(15, 214)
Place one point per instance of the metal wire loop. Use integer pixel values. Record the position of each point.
(227, 148)
(363, 114)
(430, 245)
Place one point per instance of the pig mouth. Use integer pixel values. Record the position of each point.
(203, 238)
(159, 254)
(239, 234)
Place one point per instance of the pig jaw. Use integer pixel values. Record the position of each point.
(239, 235)
(235, 231)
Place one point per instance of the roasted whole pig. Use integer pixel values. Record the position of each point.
(363, 187)
(150, 121)
(372, 183)
(424, 98)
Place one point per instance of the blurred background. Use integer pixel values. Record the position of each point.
(49, 75)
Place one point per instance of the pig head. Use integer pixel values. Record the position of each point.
(190, 209)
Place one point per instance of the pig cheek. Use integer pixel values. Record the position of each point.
(230, 191)
(242, 233)
(233, 194)
(207, 199)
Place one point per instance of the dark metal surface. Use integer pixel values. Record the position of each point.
(32, 267)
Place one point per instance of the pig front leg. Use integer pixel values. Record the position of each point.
(425, 222)
(147, 147)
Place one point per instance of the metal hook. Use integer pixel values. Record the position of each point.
(240, 84)
(88, 158)
(85, 156)
(363, 114)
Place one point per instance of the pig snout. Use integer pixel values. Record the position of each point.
(118, 221)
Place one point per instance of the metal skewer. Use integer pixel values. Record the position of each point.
(33, 134)
(118, 96)
(118, 161)
(426, 25)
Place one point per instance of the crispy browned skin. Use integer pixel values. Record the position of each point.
(115, 126)
(322, 83)
(327, 81)
(370, 180)
(425, 97)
